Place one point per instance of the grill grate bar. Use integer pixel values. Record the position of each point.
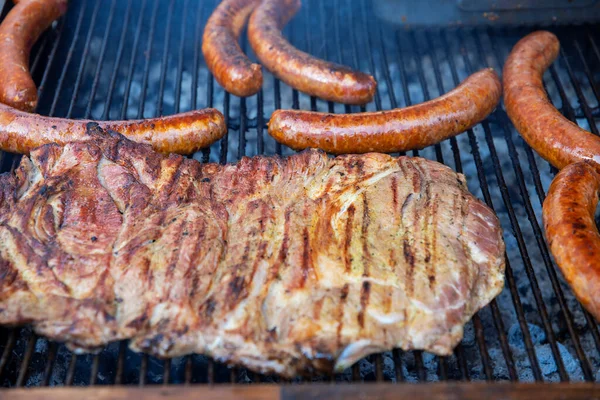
(107, 30)
(209, 90)
(143, 370)
(148, 53)
(94, 370)
(164, 62)
(188, 370)
(308, 41)
(459, 351)
(443, 368)
(397, 355)
(53, 347)
(180, 58)
(67, 61)
(26, 359)
(167, 371)
(586, 68)
(587, 112)
(210, 373)
(113, 77)
(134, 50)
(120, 362)
(60, 29)
(225, 139)
(8, 348)
(84, 58)
(71, 371)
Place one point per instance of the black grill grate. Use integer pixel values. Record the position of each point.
(130, 59)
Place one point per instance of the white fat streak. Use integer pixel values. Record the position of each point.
(352, 353)
(476, 254)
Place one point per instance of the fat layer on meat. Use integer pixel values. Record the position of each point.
(283, 265)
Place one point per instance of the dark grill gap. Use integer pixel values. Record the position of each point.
(142, 58)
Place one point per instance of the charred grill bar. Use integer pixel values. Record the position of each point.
(132, 59)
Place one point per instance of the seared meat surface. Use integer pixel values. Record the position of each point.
(281, 265)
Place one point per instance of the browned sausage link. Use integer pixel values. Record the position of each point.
(555, 138)
(183, 133)
(400, 129)
(300, 70)
(18, 32)
(572, 233)
(230, 66)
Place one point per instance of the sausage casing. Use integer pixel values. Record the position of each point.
(18, 32)
(400, 129)
(224, 57)
(300, 70)
(184, 133)
(555, 138)
(572, 233)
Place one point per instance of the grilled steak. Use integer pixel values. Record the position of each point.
(284, 266)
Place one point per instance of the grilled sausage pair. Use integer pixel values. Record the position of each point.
(238, 75)
(569, 209)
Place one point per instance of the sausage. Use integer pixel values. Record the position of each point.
(224, 57)
(555, 138)
(399, 129)
(184, 133)
(571, 231)
(300, 70)
(18, 32)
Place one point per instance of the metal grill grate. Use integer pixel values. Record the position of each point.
(130, 59)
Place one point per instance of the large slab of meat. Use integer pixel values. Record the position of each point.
(284, 266)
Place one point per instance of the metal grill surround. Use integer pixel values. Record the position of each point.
(134, 59)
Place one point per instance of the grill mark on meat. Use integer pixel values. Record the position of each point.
(394, 186)
(283, 251)
(306, 261)
(348, 237)
(174, 256)
(317, 309)
(432, 267)
(366, 286)
(429, 235)
(341, 309)
(237, 286)
(466, 273)
(365, 292)
(366, 256)
(197, 248)
(409, 257)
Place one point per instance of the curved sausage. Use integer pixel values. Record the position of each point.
(555, 138)
(184, 133)
(400, 129)
(572, 233)
(18, 32)
(300, 70)
(224, 58)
